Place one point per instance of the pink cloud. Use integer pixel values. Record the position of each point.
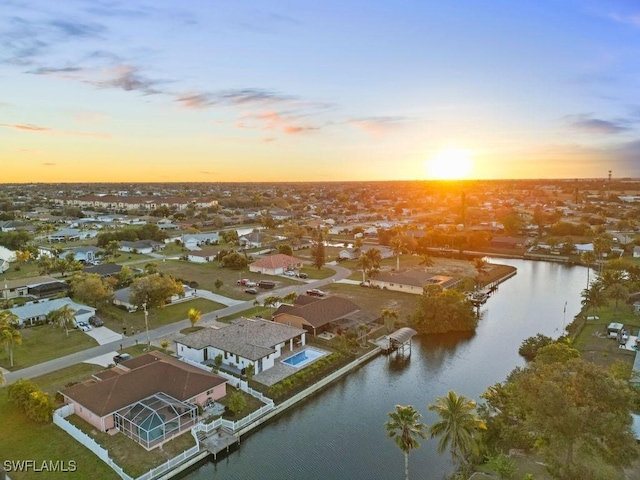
(37, 129)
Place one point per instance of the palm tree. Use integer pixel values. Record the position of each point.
(618, 291)
(363, 263)
(10, 336)
(481, 266)
(405, 428)
(375, 257)
(593, 297)
(425, 261)
(398, 248)
(458, 425)
(2, 379)
(64, 316)
(588, 258)
(194, 316)
(271, 301)
(389, 317)
(290, 298)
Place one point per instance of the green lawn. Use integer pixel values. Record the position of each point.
(257, 311)
(374, 300)
(58, 380)
(115, 318)
(29, 269)
(45, 442)
(45, 342)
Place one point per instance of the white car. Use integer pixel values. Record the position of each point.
(290, 273)
(84, 326)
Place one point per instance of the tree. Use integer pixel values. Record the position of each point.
(398, 248)
(405, 428)
(290, 298)
(3, 381)
(91, 289)
(459, 426)
(10, 335)
(237, 402)
(271, 300)
(218, 283)
(22, 257)
(618, 291)
(363, 263)
(153, 290)
(389, 317)
(45, 265)
(530, 346)
(64, 317)
(164, 344)
(112, 247)
(594, 405)
(588, 258)
(234, 261)
(194, 316)
(425, 261)
(317, 252)
(285, 249)
(481, 266)
(593, 298)
(151, 268)
(443, 311)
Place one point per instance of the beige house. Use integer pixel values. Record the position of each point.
(275, 264)
(411, 281)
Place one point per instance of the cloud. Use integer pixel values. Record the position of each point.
(196, 100)
(268, 139)
(37, 129)
(207, 173)
(49, 164)
(271, 120)
(127, 78)
(377, 125)
(586, 124)
(234, 97)
(73, 29)
(629, 19)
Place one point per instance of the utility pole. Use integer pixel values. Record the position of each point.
(146, 325)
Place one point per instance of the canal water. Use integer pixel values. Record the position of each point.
(339, 433)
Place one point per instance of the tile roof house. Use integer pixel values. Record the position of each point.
(411, 281)
(275, 264)
(316, 315)
(151, 398)
(242, 343)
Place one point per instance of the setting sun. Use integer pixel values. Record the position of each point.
(450, 164)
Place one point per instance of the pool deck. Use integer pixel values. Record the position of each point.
(280, 370)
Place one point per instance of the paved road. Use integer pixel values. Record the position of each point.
(161, 332)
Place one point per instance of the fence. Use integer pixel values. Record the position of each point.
(59, 419)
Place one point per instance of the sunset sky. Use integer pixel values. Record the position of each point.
(208, 90)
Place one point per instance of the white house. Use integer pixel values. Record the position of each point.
(203, 256)
(36, 313)
(195, 241)
(144, 247)
(244, 342)
(121, 297)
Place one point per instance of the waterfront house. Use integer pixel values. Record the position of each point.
(151, 399)
(316, 315)
(411, 281)
(203, 256)
(244, 342)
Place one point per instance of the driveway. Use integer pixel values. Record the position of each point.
(104, 335)
(103, 360)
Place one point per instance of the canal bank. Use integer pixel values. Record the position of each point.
(339, 432)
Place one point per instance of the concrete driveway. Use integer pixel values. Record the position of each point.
(103, 360)
(104, 335)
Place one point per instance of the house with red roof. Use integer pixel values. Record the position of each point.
(151, 398)
(275, 264)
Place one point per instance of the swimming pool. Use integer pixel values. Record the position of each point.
(304, 357)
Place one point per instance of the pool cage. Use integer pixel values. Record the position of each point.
(155, 419)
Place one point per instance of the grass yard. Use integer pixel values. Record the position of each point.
(206, 275)
(373, 300)
(593, 343)
(45, 442)
(257, 311)
(58, 380)
(29, 269)
(115, 318)
(45, 342)
(128, 454)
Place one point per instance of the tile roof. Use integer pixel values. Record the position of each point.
(323, 311)
(149, 374)
(249, 338)
(278, 260)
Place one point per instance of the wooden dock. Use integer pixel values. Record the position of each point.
(217, 442)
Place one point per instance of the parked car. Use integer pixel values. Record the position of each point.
(302, 275)
(252, 291)
(96, 321)
(314, 292)
(122, 357)
(242, 282)
(84, 326)
(266, 284)
(290, 273)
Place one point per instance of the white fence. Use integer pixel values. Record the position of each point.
(59, 419)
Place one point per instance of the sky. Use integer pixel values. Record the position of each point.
(243, 91)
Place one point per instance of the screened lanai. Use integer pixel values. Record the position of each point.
(155, 419)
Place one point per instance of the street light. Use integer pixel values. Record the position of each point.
(146, 325)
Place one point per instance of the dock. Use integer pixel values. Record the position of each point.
(398, 341)
(218, 441)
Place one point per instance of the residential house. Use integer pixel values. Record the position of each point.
(71, 234)
(244, 342)
(353, 254)
(122, 297)
(144, 247)
(33, 313)
(508, 242)
(254, 240)
(82, 254)
(203, 256)
(411, 281)
(104, 270)
(636, 252)
(275, 264)
(316, 315)
(33, 287)
(194, 241)
(13, 225)
(151, 399)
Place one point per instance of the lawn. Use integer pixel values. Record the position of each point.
(45, 442)
(115, 318)
(58, 380)
(593, 342)
(45, 342)
(206, 275)
(374, 300)
(29, 269)
(256, 311)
